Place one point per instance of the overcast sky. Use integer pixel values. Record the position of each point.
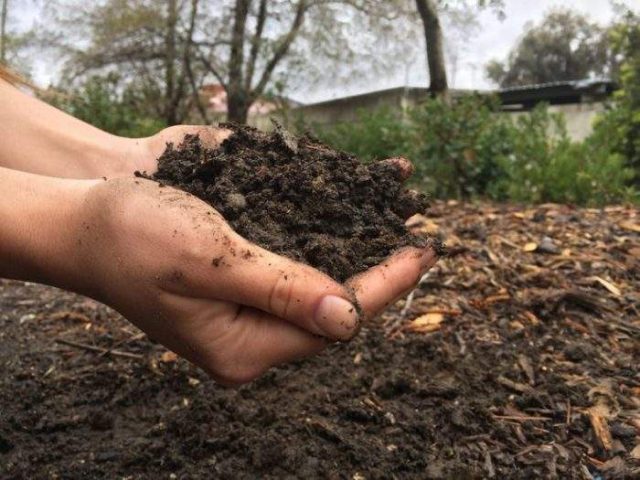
(494, 40)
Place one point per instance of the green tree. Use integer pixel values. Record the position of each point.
(13, 44)
(149, 44)
(564, 46)
(101, 102)
(618, 130)
(170, 49)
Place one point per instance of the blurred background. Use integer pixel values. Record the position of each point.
(499, 99)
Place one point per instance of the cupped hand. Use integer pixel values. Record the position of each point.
(173, 266)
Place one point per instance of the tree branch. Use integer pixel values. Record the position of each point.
(256, 43)
(282, 49)
(214, 70)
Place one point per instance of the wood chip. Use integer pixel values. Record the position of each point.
(632, 227)
(429, 322)
(168, 357)
(525, 364)
(598, 417)
(608, 285)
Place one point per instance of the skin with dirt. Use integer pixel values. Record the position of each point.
(299, 198)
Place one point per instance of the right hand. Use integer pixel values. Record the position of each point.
(173, 266)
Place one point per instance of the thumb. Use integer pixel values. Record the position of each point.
(288, 289)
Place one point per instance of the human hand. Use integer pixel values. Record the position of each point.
(143, 153)
(173, 266)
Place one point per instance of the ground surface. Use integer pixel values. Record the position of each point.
(517, 358)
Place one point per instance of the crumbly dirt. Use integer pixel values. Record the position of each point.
(516, 359)
(298, 197)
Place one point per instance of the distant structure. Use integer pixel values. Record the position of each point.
(579, 101)
(214, 98)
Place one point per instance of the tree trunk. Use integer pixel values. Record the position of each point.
(3, 31)
(237, 97)
(237, 108)
(435, 48)
(170, 110)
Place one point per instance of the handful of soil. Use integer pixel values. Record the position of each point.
(298, 198)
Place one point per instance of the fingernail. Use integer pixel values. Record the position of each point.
(336, 317)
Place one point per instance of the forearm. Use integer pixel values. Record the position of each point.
(40, 139)
(40, 222)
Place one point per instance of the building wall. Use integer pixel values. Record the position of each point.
(579, 117)
(347, 109)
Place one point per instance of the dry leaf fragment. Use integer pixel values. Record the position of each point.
(635, 453)
(168, 357)
(632, 227)
(429, 322)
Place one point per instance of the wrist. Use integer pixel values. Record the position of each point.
(42, 220)
(46, 141)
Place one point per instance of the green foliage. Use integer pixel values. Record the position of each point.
(374, 135)
(543, 165)
(101, 102)
(564, 46)
(618, 130)
(454, 146)
(467, 149)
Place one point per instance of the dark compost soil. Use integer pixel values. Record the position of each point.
(516, 359)
(298, 197)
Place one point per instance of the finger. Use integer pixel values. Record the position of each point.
(210, 137)
(379, 286)
(399, 167)
(252, 276)
(261, 341)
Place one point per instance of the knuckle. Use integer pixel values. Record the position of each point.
(281, 294)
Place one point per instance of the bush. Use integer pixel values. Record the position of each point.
(374, 135)
(466, 149)
(618, 130)
(101, 102)
(455, 146)
(543, 165)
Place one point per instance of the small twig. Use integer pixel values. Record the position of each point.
(462, 343)
(518, 418)
(409, 301)
(515, 386)
(121, 342)
(91, 348)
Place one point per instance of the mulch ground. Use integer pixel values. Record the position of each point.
(516, 358)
